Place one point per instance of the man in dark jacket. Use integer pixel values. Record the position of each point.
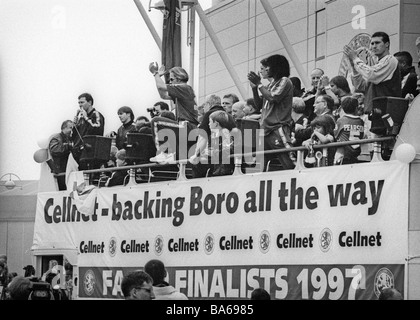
(408, 73)
(60, 147)
(88, 121)
(126, 116)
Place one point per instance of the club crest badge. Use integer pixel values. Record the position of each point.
(89, 281)
(325, 240)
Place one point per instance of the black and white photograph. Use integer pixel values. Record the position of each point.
(211, 152)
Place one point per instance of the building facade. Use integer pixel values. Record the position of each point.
(17, 219)
(316, 29)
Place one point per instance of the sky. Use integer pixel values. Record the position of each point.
(54, 50)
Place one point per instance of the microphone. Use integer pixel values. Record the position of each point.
(79, 114)
(81, 139)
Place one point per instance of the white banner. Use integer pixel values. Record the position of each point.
(343, 215)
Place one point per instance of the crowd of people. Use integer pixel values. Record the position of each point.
(19, 287)
(150, 283)
(55, 283)
(287, 116)
(147, 283)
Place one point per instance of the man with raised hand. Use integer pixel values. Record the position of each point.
(380, 80)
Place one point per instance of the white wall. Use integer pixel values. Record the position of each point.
(410, 28)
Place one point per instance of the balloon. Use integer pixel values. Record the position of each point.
(405, 153)
(41, 155)
(43, 143)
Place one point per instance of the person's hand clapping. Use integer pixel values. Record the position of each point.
(254, 78)
(349, 52)
(162, 70)
(320, 86)
(153, 67)
(324, 81)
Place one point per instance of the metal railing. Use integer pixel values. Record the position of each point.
(181, 175)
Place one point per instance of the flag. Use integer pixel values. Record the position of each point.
(47, 182)
(84, 198)
(72, 166)
(171, 36)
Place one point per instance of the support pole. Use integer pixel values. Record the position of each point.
(149, 24)
(220, 50)
(132, 182)
(238, 167)
(86, 178)
(300, 161)
(377, 150)
(181, 174)
(288, 46)
(191, 43)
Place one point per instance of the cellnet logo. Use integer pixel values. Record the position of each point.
(88, 247)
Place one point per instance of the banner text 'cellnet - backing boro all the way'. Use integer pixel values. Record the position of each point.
(323, 233)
